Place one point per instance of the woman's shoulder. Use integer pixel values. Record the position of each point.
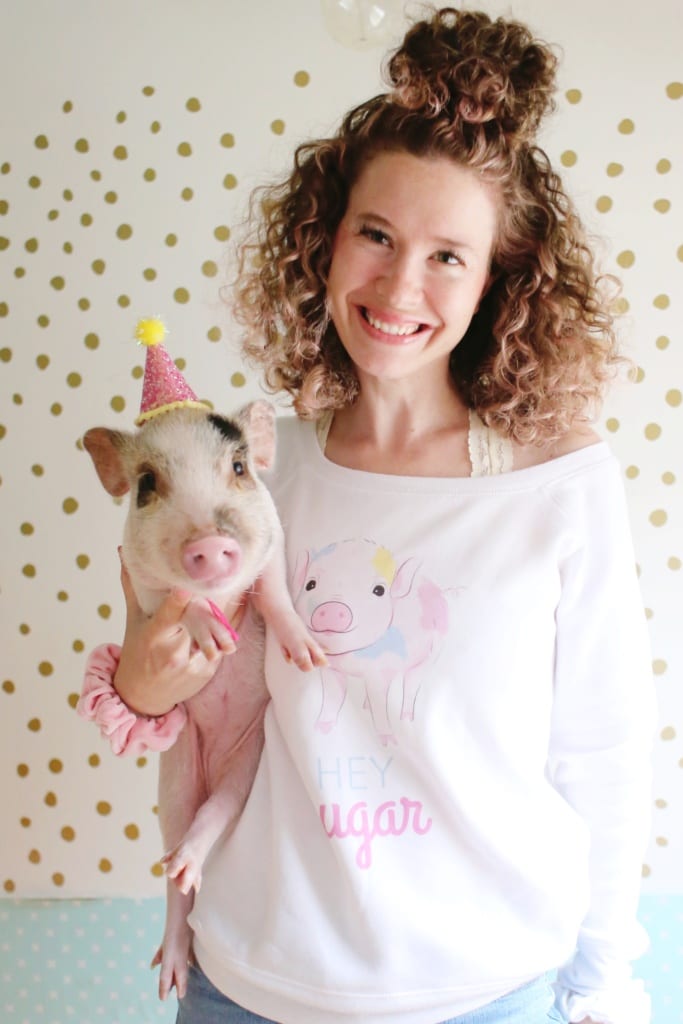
(573, 440)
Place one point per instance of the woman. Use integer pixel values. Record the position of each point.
(455, 808)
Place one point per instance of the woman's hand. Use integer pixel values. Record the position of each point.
(161, 663)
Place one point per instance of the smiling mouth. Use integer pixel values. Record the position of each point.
(395, 330)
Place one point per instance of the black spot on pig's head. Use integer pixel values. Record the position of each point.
(227, 428)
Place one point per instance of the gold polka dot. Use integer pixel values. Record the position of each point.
(34, 857)
(184, 149)
(91, 341)
(148, 90)
(679, 253)
(70, 505)
(98, 266)
(659, 667)
(34, 725)
(111, 198)
(626, 258)
(568, 158)
(137, 372)
(209, 268)
(124, 231)
(56, 409)
(9, 886)
(103, 807)
(668, 478)
(614, 170)
(105, 866)
(22, 770)
(104, 611)
(662, 341)
(658, 517)
(668, 733)
(123, 301)
(662, 841)
(171, 240)
(55, 765)
(193, 105)
(222, 233)
(277, 126)
(229, 181)
(57, 283)
(157, 870)
(120, 153)
(674, 90)
(603, 204)
(41, 142)
(227, 140)
(674, 563)
(118, 403)
(27, 529)
(62, 595)
(663, 166)
(84, 304)
(8, 686)
(81, 146)
(626, 126)
(29, 571)
(74, 380)
(573, 95)
(68, 834)
(638, 375)
(674, 397)
(661, 301)
(45, 668)
(78, 646)
(34, 181)
(661, 803)
(155, 127)
(150, 174)
(121, 117)
(652, 431)
(214, 334)
(238, 380)
(632, 472)
(662, 205)
(86, 220)
(131, 832)
(140, 762)
(621, 306)
(24, 629)
(94, 760)
(58, 879)
(302, 78)
(612, 425)
(37, 470)
(181, 295)
(187, 194)
(25, 822)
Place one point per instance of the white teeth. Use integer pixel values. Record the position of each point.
(398, 329)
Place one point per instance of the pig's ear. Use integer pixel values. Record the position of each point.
(103, 447)
(258, 423)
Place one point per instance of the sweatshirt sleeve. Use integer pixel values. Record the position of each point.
(127, 732)
(604, 720)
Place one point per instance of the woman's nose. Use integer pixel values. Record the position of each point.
(400, 283)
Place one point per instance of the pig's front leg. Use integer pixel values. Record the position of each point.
(230, 787)
(275, 605)
(334, 684)
(174, 952)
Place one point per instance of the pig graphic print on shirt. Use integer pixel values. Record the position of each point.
(381, 622)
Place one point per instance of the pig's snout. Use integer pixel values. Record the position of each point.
(332, 617)
(211, 558)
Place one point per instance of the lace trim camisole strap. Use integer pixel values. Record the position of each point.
(490, 453)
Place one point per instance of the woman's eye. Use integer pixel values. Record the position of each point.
(238, 468)
(450, 258)
(374, 235)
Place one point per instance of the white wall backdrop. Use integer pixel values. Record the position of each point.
(132, 134)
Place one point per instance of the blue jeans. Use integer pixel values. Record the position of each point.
(531, 1004)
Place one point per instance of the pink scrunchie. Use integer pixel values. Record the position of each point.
(127, 732)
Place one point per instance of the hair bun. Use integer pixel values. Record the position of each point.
(463, 66)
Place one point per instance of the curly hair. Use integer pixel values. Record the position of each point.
(541, 348)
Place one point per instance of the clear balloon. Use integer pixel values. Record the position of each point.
(363, 24)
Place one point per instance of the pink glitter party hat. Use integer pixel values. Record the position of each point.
(164, 386)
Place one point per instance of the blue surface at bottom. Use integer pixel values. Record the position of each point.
(87, 961)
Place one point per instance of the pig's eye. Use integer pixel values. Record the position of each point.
(238, 468)
(310, 585)
(147, 485)
(379, 590)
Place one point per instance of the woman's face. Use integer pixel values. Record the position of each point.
(410, 263)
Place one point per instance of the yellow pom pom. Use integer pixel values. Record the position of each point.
(151, 331)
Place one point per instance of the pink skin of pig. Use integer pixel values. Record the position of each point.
(199, 518)
(378, 622)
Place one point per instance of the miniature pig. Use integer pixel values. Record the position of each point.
(200, 518)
